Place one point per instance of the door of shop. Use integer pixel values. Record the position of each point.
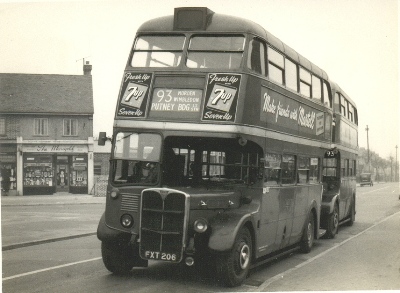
(62, 174)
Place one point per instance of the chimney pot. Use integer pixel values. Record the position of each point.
(87, 68)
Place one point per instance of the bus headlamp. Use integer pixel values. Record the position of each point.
(126, 221)
(200, 225)
(114, 194)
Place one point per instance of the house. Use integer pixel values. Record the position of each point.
(46, 132)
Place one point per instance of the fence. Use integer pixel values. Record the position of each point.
(100, 186)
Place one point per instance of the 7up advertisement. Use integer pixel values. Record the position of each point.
(221, 97)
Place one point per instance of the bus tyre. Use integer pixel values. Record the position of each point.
(307, 240)
(333, 223)
(117, 258)
(352, 216)
(233, 267)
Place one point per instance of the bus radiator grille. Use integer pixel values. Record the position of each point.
(163, 223)
(130, 202)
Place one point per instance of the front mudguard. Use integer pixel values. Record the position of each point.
(225, 227)
(107, 234)
(328, 203)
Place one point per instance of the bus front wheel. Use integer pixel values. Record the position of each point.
(333, 223)
(307, 240)
(233, 267)
(117, 257)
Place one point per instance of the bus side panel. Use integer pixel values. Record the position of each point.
(306, 197)
(268, 221)
(286, 210)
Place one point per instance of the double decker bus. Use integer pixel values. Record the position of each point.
(220, 138)
(339, 165)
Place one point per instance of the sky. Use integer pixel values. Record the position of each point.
(354, 41)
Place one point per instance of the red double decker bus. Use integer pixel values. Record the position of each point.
(219, 139)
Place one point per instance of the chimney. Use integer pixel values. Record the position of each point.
(87, 69)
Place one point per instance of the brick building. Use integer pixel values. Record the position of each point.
(46, 132)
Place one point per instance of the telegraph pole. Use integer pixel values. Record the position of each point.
(395, 166)
(367, 129)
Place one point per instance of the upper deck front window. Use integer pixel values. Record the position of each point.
(158, 51)
(222, 52)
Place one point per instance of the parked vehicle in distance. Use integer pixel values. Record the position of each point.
(366, 179)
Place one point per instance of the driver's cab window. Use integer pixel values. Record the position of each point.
(136, 158)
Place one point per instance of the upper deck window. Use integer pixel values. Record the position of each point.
(224, 52)
(275, 65)
(158, 51)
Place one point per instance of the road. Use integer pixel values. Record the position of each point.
(365, 256)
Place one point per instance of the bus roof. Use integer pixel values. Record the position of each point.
(220, 23)
(338, 88)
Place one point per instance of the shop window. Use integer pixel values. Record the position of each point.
(79, 171)
(97, 169)
(70, 127)
(2, 126)
(38, 170)
(41, 126)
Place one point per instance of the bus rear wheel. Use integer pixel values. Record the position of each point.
(233, 267)
(117, 257)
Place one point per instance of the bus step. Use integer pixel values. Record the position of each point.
(321, 232)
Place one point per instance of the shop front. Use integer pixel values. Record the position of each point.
(56, 168)
(8, 169)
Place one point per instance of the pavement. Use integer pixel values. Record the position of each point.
(37, 219)
(54, 199)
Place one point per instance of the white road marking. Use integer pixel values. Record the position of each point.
(372, 190)
(263, 286)
(50, 269)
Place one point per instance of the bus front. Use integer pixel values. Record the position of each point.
(179, 161)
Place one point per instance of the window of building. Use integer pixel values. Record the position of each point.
(256, 61)
(40, 126)
(70, 127)
(305, 82)
(316, 88)
(291, 75)
(2, 126)
(275, 65)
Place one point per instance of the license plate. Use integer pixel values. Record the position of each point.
(156, 255)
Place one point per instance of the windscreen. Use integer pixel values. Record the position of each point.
(136, 158)
(223, 52)
(158, 51)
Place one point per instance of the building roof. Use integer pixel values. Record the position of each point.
(46, 94)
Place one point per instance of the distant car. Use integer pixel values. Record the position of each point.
(366, 179)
